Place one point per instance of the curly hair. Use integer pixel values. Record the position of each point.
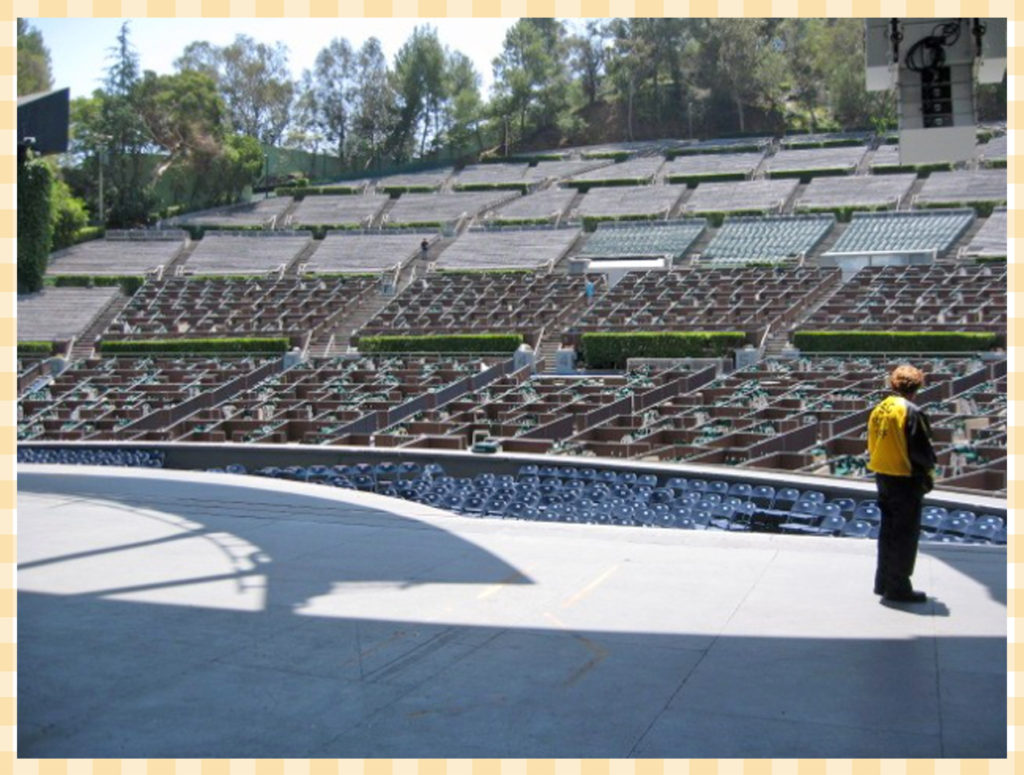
(906, 379)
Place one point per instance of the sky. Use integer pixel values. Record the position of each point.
(79, 48)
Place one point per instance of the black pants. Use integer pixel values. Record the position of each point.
(899, 499)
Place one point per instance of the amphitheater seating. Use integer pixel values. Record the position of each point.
(245, 253)
(630, 202)
(745, 299)
(841, 160)
(660, 238)
(726, 145)
(990, 241)
(560, 170)
(993, 151)
(447, 303)
(777, 237)
(687, 169)
(118, 254)
(354, 252)
(963, 187)
(872, 192)
(418, 181)
(825, 139)
(443, 209)
(490, 175)
(59, 314)
(330, 210)
(262, 213)
(638, 171)
(513, 248)
(748, 196)
(196, 307)
(129, 398)
(917, 232)
(932, 298)
(548, 205)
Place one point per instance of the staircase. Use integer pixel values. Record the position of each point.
(915, 189)
(826, 244)
(546, 353)
(302, 258)
(85, 344)
(180, 258)
(336, 336)
(378, 219)
(286, 214)
(964, 241)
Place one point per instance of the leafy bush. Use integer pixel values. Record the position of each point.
(34, 348)
(602, 351)
(89, 233)
(894, 341)
(448, 343)
(35, 224)
(300, 192)
(67, 216)
(190, 346)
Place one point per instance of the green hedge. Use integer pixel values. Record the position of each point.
(583, 186)
(506, 185)
(717, 217)
(129, 283)
(618, 156)
(894, 341)
(693, 180)
(521, 221)
(88, 233)
(590, 221)
(806, 175)
(983, 209)
(714, 149)
(602, 351)
(414, 225)
(300, 192)
(394, 190)
(995, 164)
(35, 226)
(34, 348)
(843, 214)
(190, 346)
(450, 343)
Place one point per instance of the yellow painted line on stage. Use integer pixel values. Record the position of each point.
(590, 587)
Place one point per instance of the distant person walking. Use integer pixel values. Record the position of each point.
(589, 289)
(424, 248)
(901, 455)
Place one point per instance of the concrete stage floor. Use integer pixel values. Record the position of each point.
(180, 615)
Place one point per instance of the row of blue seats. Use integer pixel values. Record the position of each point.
(570, 494)
(146, 458)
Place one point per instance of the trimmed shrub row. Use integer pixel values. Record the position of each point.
(616, 155)
(717, 217)
(894, 341)
(300, 192)
(450, 343)
(693, 180)
(603, 351)
(590, 221)
(195, 346)
(806, 175)
(983, 209)
(583, 186)
(522, 187)
(843, 213)
(34, 348)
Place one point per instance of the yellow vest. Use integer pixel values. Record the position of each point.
(887, 438)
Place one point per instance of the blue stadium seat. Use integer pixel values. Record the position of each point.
(763, 495)
(741, 490)
(857, 528)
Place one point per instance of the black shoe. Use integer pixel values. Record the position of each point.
(913, 596)
(879, 591)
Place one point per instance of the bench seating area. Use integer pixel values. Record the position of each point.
(748, 196)
(61, 314)
(332, 210)
(512, 248)
(243, 253)
(907, 232)
(454, 303)
(560, 170)
(918, 298)
(118, 256)
(639, 171)
(702, 299)
(427, 179)
(659, 238)
(263, 213)
(841, 160)
(990, 240)
(962, 187)
(630, 202)
(689, 168)
(771, 237)
(549, 204)
(490, 175)
(443, 209)
(235, 307)
(871, 192)
(351, 252)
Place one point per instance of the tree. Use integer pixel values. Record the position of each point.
(253, 79)
(327, 94)
(34, 73)
(35, 181)
(183, 114)
(587, 60)
(419, 85)
(531, 77)
(463, 107)
(373, 104)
